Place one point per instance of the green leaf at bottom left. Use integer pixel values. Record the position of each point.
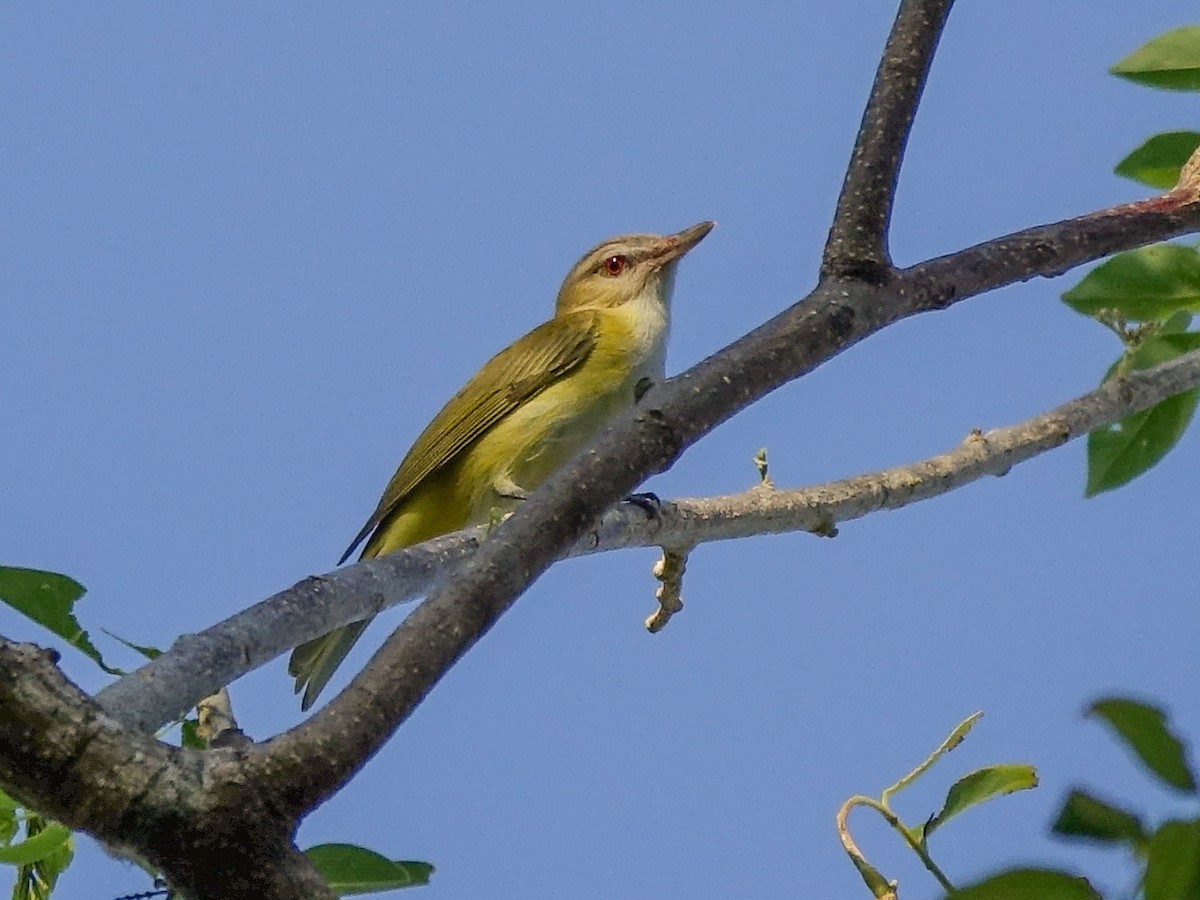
(54, 852)
(47, 841)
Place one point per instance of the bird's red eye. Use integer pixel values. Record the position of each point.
(614, 265)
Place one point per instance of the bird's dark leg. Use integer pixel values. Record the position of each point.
(647, 501)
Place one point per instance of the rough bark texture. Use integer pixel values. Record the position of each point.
(194, 816)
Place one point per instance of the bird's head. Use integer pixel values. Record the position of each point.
(625, 268)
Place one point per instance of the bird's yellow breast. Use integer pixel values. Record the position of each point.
(545, 431)
(518, 452)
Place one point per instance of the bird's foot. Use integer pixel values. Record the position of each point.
(646, 501)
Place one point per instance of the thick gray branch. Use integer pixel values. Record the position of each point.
(198, 665)
(837, 314)
(188, 814)
(834, 316)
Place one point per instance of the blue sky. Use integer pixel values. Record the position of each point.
(250, 250)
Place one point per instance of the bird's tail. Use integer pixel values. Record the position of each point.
(313, 664)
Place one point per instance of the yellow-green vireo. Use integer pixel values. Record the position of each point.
(530, 408)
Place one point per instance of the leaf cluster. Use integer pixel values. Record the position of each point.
(1167, 855)
(1147, 296)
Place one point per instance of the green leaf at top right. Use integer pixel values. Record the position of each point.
(1157, 162)
(1170, 61)
(1144, 285)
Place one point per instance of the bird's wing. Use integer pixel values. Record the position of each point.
(508, 379)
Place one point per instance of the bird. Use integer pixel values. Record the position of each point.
(524, 413)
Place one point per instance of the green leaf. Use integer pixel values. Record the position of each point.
(1157, 162)
(47, 598)
(1173, 862)
(1170, 61)
(49, 867)
(872, 878)
(8, 818)
(1086, 816)
(1145, 285)
(1144, 729)
(36, 878)
(980, 785)
(147, 651)
(189, 736)
(1025, 884)
(1162, 347)
(1178, 322)
(45, 842)
(8, 825)
(1120, 453)
(355, 870)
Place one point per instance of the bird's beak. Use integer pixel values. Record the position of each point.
(675, 245)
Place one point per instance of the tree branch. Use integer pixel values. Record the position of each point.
(330, 746)
(197, 665)
(995, 452)
(189, 814)
(647, 440)
(858, 240)
(834, 316)
(298, 764)
(1049, 250)
(204, 818)
(837, 314)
